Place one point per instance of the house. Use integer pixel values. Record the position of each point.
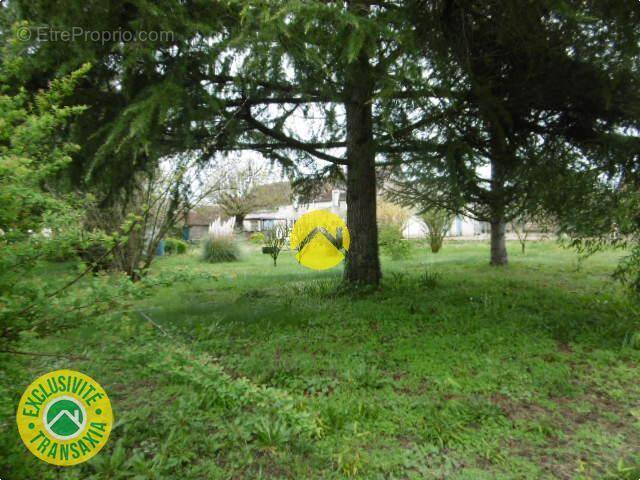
(333, 200)
(461, 227)
(196, 225)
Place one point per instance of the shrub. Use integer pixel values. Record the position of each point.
(393, 243)
(174, 246)
(628, 270)
(392, 219)
(388, 213)
(217, 249)
(257, 238)
(438, 223)
(275, 240)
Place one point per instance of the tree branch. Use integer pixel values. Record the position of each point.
(280, 145)
(274, 86)
(291, 142)
(275, 101)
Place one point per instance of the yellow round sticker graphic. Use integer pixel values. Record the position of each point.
(321, 238)
(64, 417)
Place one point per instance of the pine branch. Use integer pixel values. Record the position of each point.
(277, 101)
(291, 142)
(280, 145)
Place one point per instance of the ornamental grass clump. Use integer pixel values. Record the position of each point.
(220, 245)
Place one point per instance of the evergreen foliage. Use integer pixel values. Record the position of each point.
(435, 92)
(533, 95)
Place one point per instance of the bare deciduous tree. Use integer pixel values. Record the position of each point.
(237, 197)
(163, 197)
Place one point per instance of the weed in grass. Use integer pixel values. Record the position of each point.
(272, 433)
(349, 461)
(398, 280)
(544, 427)
(254, 293)
(448, 423)
(338, 413)
(320, 386)
(429, 279)
(366, 376)
(625, 469)
(335, 416)
(322, 288)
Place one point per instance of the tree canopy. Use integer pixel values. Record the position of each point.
(432, 91)
(533, 93)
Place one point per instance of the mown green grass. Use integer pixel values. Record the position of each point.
(452, 369)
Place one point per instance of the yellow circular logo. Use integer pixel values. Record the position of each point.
(64, 417)
(321, 238)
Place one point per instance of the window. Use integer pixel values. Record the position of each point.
(268, 224)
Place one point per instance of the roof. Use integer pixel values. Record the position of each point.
(327, 196)
(203, 216)
(277, 194)
(272, 195)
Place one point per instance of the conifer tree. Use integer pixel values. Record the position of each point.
(535, 93)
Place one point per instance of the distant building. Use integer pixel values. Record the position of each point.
(334, 200)
(461, 226)
(197, 223)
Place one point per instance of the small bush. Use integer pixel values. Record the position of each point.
(389, 213)
(275, 240)
(216, 249)
(389, 235)
(174, 246)
(438, 223)
(257, 238)
(393, 243)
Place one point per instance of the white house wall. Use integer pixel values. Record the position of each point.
(460, 227)
(290, 214)
(415, 228)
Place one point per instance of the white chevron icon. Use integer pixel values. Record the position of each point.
(75, 418)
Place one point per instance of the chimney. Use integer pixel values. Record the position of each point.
(335, 198)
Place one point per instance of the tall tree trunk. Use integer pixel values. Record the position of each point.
(363, 264)
(498, 242)
(498, 223)
(239, 225)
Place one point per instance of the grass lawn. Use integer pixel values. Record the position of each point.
(452, 370)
